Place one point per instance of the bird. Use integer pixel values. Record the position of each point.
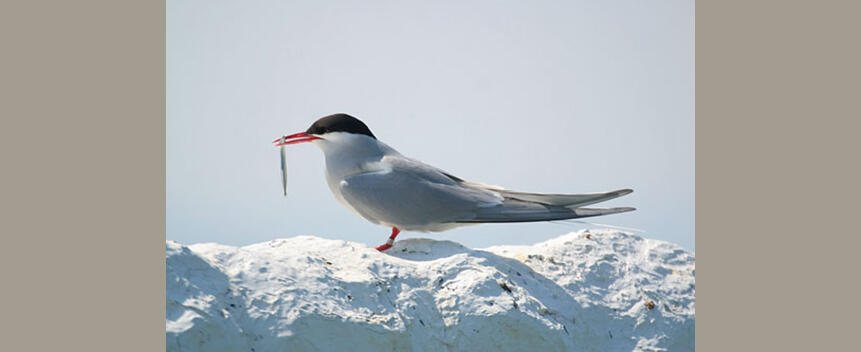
(379, 184)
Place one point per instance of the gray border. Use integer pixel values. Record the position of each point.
(83, 148)
(777, 173)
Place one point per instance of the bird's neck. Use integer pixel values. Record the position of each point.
(348, 154)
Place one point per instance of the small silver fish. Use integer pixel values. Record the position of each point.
(283, 168)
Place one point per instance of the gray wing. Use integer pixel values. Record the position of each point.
(409, 193)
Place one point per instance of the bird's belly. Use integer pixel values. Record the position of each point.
(439, 227)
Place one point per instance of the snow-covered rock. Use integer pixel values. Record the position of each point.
(591, 290)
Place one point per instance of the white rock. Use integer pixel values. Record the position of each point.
(571, 293)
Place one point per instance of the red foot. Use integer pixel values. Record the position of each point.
(383, 247)
(388, 244)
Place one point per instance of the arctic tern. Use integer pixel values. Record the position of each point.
(386, 188)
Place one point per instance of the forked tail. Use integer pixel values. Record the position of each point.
(531, 207)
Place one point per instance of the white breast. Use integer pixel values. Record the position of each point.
(349, 154)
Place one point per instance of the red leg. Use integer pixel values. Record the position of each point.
(388, 244)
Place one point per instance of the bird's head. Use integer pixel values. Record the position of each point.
(332, 129)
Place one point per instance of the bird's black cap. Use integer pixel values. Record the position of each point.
(339, 123)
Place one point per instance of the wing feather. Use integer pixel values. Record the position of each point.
(409, 193)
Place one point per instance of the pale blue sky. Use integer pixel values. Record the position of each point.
(540, 96)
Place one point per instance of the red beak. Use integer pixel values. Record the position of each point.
(300, 137)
